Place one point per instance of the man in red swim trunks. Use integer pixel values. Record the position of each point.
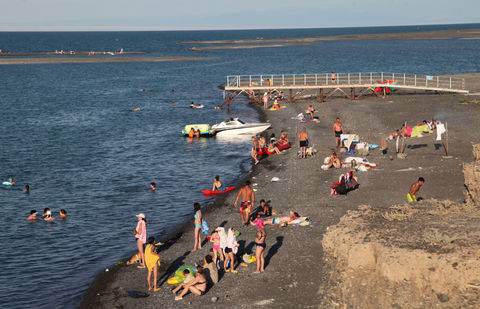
(247, 197)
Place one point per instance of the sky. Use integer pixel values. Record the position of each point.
(43, 15)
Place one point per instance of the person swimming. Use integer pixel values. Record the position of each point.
(191, 133)
(32, 216)
(217, 184)
(153, 186)
(26, 188)
(47, 215)
(62, 214)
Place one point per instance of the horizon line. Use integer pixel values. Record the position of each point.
(153, 29)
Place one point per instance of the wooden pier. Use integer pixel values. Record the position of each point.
(325, 85)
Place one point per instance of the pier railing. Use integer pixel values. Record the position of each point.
(333, 80)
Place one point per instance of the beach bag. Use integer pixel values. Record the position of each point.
(204, 227)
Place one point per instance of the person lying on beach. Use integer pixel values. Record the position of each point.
(62, 214)
(153, 186)
(188, 278)
(414, 188)
(32, 216)
(197, 286)
(211, 266)
(217, 184)
(231, 250)
(47, 215)
(282, 220)
(247, 198)
(216, 249)
(152, 261)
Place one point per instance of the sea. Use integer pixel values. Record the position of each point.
(68, 131)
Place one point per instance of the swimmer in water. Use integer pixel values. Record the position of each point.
(62, 214)
(47, 215)
(26, 188)
(153, 186)
(197, 133)
(32, 216)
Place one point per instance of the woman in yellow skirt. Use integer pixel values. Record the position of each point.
(152, 261)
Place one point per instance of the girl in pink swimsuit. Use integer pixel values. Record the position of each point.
(217, 252)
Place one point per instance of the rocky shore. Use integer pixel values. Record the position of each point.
(297, 274)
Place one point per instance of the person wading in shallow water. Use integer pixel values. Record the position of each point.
(247, 198)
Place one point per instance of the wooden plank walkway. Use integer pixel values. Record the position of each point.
(268, 82)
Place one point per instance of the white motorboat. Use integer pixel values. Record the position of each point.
(235, 126)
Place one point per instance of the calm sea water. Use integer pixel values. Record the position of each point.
(67, 130)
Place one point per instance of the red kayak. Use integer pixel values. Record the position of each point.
(217, 192)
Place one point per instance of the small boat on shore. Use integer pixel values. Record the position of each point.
(235, 126)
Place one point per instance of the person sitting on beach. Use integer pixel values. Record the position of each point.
(191, 133)
(414, 188)
(272, 149)
(32, 216)
(334, 161)
(26, 188)
(152, 261)
(247, 197)
(211, 266)
(276, 105)
(338, 131)
(153, 186)
(254, 150)
(231, 250)
(62, 214)
(264, 209)
(216, 250)
(283, 143)
(47, 215)
(197, 286)
(310, 111)
(187, 279)
(303, 139)
(217, 184)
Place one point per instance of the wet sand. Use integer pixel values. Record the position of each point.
(295, 271)
(281, 42)
(62, 59)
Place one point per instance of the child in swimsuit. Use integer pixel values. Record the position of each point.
(217, 252)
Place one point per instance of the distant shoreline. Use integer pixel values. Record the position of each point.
(57, 60)
(281, 42)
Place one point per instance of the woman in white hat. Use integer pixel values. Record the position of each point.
(140, 233)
